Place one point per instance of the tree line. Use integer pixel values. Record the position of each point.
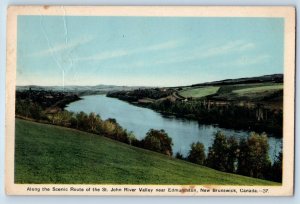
(221, 111)
(155, 140)
(230, 115)
(247, 157)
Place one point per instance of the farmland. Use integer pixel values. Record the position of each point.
(250, 92)
(259, 89)
(199, 92)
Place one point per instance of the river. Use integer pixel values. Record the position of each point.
(139, 120)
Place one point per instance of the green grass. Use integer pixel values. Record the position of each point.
(199, 92)
(52, 154)
(258, 89)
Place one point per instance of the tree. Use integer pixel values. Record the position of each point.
(81, 120)
(277, 168)
(217, 155)
(232, 154)
(93, 122)
(197, 153)
(254, 158)
(112, 129)
(35, 111)
(62, 118)
(243, 156)
(179, 156)
(159, 141)
(131, 138)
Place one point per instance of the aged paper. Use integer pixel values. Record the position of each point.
(155, 101)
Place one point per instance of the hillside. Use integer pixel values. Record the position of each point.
(275, 78)
(52, 154)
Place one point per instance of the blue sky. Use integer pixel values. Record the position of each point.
(145, 51)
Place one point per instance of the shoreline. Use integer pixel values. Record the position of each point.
(200, 121)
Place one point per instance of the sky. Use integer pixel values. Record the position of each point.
(145, 51)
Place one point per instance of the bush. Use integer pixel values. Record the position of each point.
(222, 154)
(217, 154)
(232, 154)
(197, 154)
(179, 156)
(131, 138)
(254, 159)
(277, 169)
(159, 141)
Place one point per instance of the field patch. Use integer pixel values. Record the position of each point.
(258, 89)
(199, 92)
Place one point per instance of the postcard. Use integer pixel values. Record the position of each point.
(150, 101)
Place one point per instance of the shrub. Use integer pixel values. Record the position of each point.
(217, 154)
(197, 154)
(179, 156)
(277, 169)
(254, 159)
(222, 154)
(159, 141)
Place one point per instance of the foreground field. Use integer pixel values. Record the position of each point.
(51, 154)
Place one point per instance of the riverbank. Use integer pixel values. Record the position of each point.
(250, 107)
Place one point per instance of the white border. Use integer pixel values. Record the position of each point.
(189, 11)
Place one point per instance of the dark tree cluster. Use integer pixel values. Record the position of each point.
(135, 95)
(247, 157)
(29, 109)
(46, 99)
(230, 115)
(158, 141)
(197, 153)
(222, 155)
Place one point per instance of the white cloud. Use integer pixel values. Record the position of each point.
(106, 55)
(247, 46)
(62, 47)
(201, 53)
(246, 60)
(225, 49)
(198, 53)
(165, 45)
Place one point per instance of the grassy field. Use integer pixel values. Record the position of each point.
(233, 91)
(199, 92)
(52, 154)
(252, 92)
(258, 89)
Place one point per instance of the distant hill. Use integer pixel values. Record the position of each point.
(277, 78)
(80, 90)
(102, 88)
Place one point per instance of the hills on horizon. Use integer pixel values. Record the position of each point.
(103, 88)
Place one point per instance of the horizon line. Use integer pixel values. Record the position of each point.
(148, 85)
